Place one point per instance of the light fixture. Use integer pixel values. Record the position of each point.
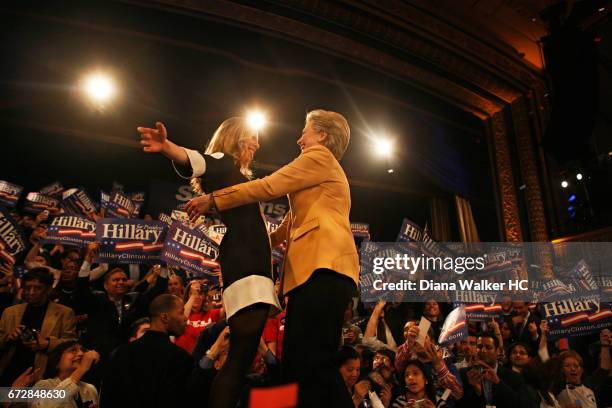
(256, 120)
(99, 87)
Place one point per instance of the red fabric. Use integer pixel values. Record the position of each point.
(270, 332)
(284, 396)
(197, 322)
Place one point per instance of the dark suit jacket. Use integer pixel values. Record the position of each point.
(104, 331)
(150, 372)
(505, 394)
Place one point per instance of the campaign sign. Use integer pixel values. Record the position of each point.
(77, 202)
(216, 232)
(190, 249)
(104, 200)
(455, 327)
(9, 193)
(410, 232)
(480, 312)
(120, 206)
(138, 199)
(165, 218)
(360, 230)
(278, 253)
(11, 241)
(183, 217)
(36, 203)
(127, 241)
(579, 317)
(70, 230)
(52, 190)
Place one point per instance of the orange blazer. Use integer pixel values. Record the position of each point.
(317, 227)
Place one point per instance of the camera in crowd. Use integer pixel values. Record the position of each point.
(28, 335)
(376, 379)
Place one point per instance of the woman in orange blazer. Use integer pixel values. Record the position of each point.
(321, 268)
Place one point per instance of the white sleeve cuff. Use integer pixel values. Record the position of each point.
(85, 270)
(197, 163)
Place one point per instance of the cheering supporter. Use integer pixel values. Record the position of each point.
(519, 356)
(348, 363)
(571, 390)
(539, 383)
(110, 313)
(444, 372)
(199, 313)
(419, 387)
(431, 311)
(30, 331)
(67, 365)
(176, 286)
(466, 352)
(506, 332)
(377, 333)
(487, 382)
(524, 324)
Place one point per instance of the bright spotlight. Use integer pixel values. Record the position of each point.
(390, 171)
(256, 120)
(99, 87)
(384, 147)
(579, 176)
(564, 184)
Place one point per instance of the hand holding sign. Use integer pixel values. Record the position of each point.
(424, 326)
(153, 140)
(198, 206)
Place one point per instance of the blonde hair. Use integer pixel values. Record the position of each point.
(336, 127)
(227, 140)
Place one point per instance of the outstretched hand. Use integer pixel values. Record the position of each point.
(198, 206)
(153, 140)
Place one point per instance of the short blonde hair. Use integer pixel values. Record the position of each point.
(336, 127)
(226, 140)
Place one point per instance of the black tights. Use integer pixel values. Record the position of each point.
(246, 327)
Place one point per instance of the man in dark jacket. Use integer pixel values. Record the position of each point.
(152, 371)
(487, 383)
(110, 313)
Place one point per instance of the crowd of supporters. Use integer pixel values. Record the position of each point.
(148, 335)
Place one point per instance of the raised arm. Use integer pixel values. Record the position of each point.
(155, 140)
(310, 168)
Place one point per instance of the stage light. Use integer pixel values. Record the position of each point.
(99, 87)
(384, 147)
(572, 198)
(579, 176)
(256, 120)
(390, 171)
(564, 184)
(602, 9)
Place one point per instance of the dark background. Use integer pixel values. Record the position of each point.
(192, 73)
